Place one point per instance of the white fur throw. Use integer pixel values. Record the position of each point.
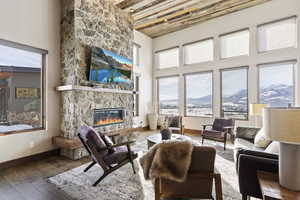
(169, 159)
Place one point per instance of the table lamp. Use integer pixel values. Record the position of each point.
(283, 125)
(256, 109)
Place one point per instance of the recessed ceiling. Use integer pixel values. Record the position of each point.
(159, 17)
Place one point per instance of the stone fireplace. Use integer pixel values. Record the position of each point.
(86, 24)
(108, 116)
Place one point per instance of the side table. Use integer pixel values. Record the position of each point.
(271, 190)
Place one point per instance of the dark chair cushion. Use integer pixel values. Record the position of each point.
(247, 133)
(120, 154)
(96, 143)
(220, 123)
(213, 134)
(174, 121)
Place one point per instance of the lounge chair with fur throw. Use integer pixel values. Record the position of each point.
(174, 180)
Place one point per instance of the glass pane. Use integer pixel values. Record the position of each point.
(168, 58)
(199, 95)
(235, 44)
(277, 35)
(199, 52)
(20, 89)
(168, 95)
(276, 84)
(235, 93)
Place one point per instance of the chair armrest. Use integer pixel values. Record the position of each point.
(121, 144)
(246, 133)
(117, 145)
(205, 125)
(113, 137)
(228, 127)
(247, 176)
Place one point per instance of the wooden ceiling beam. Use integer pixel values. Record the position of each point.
(200, 5)
(171, 9)
(172, 27)
(144, 5)
(123, 4)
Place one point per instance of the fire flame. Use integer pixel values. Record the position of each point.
(109, 121)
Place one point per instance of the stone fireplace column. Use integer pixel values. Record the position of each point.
(87, 24)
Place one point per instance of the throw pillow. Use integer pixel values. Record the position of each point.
(261, 139)
(273, 148)
(108, 143)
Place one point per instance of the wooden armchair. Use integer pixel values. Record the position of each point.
(199, 182)
(103, 151)
(220, 129)
(175, 124)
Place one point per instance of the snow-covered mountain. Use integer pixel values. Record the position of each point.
(276, 95)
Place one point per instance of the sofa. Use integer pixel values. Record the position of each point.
(249, 159)
(244, 139)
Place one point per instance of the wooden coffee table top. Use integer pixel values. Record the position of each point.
(156, 138)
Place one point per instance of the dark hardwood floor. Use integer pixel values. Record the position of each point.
(28, 181)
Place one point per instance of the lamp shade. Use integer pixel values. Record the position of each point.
(282, 124)
(257, 108)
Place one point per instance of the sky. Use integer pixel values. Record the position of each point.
(119, 58)
(277, 74)
(19, 58)
(233, 81)
(199, 85)
(168, 88)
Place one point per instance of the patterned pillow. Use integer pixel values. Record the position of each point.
(261, 140)
(108, 143)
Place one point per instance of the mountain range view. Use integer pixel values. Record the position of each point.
(276, 95)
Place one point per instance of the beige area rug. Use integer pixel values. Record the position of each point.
(124, 185)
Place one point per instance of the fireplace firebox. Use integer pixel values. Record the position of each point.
(108, 116)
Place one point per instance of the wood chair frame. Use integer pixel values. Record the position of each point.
(215, 176)
(108, 168)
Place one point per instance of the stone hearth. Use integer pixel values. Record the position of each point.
(85, 24)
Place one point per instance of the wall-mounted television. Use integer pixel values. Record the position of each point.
(108, 67)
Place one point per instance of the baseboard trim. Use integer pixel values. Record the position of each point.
(20, 161)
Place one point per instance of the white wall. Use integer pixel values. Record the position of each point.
(35, 23)
(248, 18)
(144, 70)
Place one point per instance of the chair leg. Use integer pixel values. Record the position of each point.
(133, 167)
(202, 139)
(218, 187)
(157, 189)
(88, 167)
(245, 197)
(100, 179)
(225, 140)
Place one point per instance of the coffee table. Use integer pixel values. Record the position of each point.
(156, 138)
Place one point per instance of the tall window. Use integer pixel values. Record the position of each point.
(167, 58)
(199, 90)
(234, 85)
(136, 96)
(276, 84)
(21, 87)
(277, 35)
(136, 54)
(168, 95)
(198, 52)
(235, 44)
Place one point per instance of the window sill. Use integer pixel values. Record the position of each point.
(22, 131)
(206, 117)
